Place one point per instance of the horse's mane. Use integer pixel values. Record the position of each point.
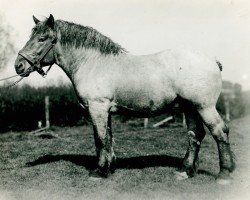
(78, 36)
(82, 36)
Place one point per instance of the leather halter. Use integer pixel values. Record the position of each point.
(36, 62)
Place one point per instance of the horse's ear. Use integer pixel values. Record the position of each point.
(36, 20)
(50, 21)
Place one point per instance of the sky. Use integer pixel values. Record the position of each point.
(217, 28)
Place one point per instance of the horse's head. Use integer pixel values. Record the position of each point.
(38, 51)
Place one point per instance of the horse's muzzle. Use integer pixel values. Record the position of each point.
(20, 70)
(21, 67)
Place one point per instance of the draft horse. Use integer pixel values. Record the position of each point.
(107, 80)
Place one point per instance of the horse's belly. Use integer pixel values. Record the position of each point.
(142, 104)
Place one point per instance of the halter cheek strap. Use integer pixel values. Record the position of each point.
(36, 63)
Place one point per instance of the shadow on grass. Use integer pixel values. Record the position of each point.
(139, 162)
(90, 162)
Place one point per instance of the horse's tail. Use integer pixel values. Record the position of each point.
(219, 64)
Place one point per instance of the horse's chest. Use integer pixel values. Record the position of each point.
(93, 89)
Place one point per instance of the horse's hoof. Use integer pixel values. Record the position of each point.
(97, 174)
(224, 178)
(181, 175)
(95, 178)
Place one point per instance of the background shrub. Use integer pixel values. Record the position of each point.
(22, 107)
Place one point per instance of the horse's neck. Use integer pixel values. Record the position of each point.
(71, 59)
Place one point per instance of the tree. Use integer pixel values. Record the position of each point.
(6, 44)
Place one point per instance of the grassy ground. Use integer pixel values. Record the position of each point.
(32, 167)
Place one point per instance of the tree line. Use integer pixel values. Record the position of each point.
(22, 107)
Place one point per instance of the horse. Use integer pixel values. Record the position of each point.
(108, 80)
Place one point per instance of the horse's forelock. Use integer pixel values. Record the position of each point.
(39, 29)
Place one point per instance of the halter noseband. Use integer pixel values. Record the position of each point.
(36, 63)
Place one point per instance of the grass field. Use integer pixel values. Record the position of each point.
(36, 167)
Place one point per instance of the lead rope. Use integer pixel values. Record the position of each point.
(21, 78)
(16, 82)
(3, 79)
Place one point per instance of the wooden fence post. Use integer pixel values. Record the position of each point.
(47, 111)
(184, 124)
(47, 123)
(227, 109)
(145, 122)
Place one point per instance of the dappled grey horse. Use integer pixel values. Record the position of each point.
(109, 80)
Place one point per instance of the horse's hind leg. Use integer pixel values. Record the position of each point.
(219, 132)
(101, 121)
(196, 133)
(113, 160)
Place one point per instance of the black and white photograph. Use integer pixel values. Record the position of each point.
(114, 99)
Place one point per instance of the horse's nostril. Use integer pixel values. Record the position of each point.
(20, 68)
(20, 65)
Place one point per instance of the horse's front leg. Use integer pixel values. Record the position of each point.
(101, 120)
